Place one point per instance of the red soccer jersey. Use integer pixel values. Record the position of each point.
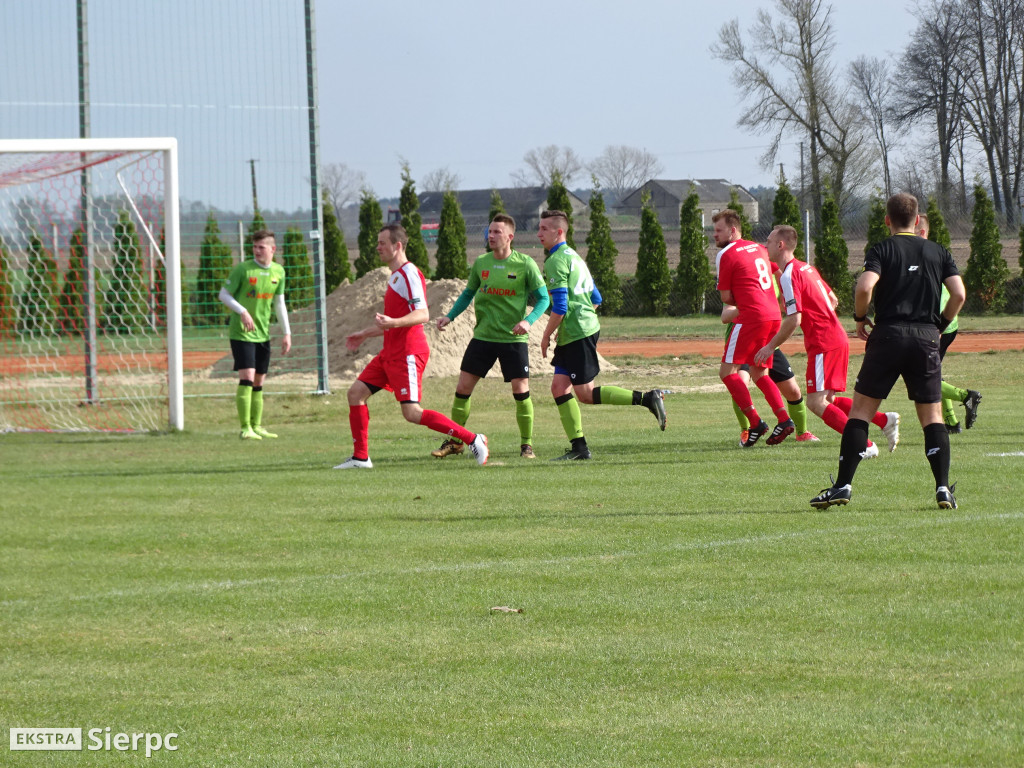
(406, 292)
(744, 268)
(804, 291)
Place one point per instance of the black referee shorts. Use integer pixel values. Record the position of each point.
(910, 351)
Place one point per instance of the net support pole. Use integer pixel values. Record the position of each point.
(88, 250)
(172, 268)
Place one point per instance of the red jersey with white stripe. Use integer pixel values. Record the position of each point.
(745, 269)
(406, 292)
(806, 292)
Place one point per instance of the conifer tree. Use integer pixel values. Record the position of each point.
(72, 294)
(1020, 260)
(938, 232)
(255, 226)
(124, 306)
(336, 266)
(832, 256)
(497, 206)
(693, 276)
(298, 274)
(986, 273)
(409, 207)
(371, 219)
(558, 200)
(653, 278)
(878, 230)
(602, 255)
(786, 210)
(451, 240)
(38, 311)
(8, 318)
(215, 264)
(746, 229)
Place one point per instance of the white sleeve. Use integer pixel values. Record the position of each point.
(230, 302)
(282, 314)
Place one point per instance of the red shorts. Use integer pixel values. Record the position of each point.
(746, 340)
(826, 371)
(402, 375)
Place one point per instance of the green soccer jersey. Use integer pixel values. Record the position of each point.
(944, 297)
(566, 269)
(502, 289)
(254, 287)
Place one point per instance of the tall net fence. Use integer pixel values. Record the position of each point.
(229, 80)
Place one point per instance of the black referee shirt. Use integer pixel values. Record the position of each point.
(911, 271)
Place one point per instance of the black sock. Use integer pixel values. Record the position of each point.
(853, 444)
(936, 448)
(579, 443)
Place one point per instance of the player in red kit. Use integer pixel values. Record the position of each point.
(399, 366)
(745, 281)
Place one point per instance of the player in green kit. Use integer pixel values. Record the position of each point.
(253, 289)
(573, 298)
(503, 282)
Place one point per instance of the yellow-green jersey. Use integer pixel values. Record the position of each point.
(569, 281)
(254, 287)
(501, 292)
(955, 324)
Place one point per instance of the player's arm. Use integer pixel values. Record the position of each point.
(461, 305)
(232, 303)
(729, 313)
(785, 331)
(559, 308)
(862, 300)
(416, 317)
(727, 298)
(541, 301)
(286, 330)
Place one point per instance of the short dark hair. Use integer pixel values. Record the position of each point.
(731, 218)
(901, 209)
(396, 233)
(262, 234)
(788, 236)
(556, 214)
(504, 218)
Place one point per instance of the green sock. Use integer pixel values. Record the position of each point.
(256, 407)
(798, 413)
(524, 418)
(615, 396)
(948, 412)
(949, 392)
(740, 416)
(460, 413)
(243, 399)
(572, 421)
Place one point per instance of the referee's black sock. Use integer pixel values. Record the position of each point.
(936, 448)
(853, 444)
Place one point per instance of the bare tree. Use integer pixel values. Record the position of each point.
(441, 180)
(793, 90)
(543, 162)
(620, 169)
(872, 81)
(341, 184)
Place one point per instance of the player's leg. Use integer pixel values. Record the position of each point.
(782, 374)
(244, 353)
(408, 374)
(256, 407)
(652, 400)
(741, 418)
(923, 377)
(576, 367)
(359, 416)
(515, 369)
(460, 413)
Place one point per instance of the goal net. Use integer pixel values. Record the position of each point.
(90, 296)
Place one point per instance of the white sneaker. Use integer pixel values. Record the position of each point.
(891, 430)
(871, 452)
(355, 463)
(479, 449)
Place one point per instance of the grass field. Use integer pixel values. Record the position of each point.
(682, 605)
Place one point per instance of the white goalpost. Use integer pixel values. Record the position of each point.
(90, 285)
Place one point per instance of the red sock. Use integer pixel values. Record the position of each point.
(359, 421)
(834, 417)
(844, 404)
(441, 423)
(879, 420)
(741, 395)
(771, 393)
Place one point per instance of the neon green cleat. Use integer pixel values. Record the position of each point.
(249, 434)
(263, 433)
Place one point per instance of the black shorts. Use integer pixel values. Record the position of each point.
(910, 351)
(251, 354)
(944, 341)
(780, 371)
(578, 359)
(513, 356)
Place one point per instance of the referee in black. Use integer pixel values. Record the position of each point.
(905, 273)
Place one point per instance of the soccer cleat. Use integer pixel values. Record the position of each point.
(526, 451)
(832, 496)
(249, 434)
(891, 430)
(574, 454)
(807, 437)
(971, 404)
(871, 452)
(782, 430)
(655, 403)
(944, 497)
(449, 447)
(744, 434)
(754, 434)
(479, 449)
(355, 463)
(954, 429)
(263, 433)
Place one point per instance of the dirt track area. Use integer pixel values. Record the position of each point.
(966, 341)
